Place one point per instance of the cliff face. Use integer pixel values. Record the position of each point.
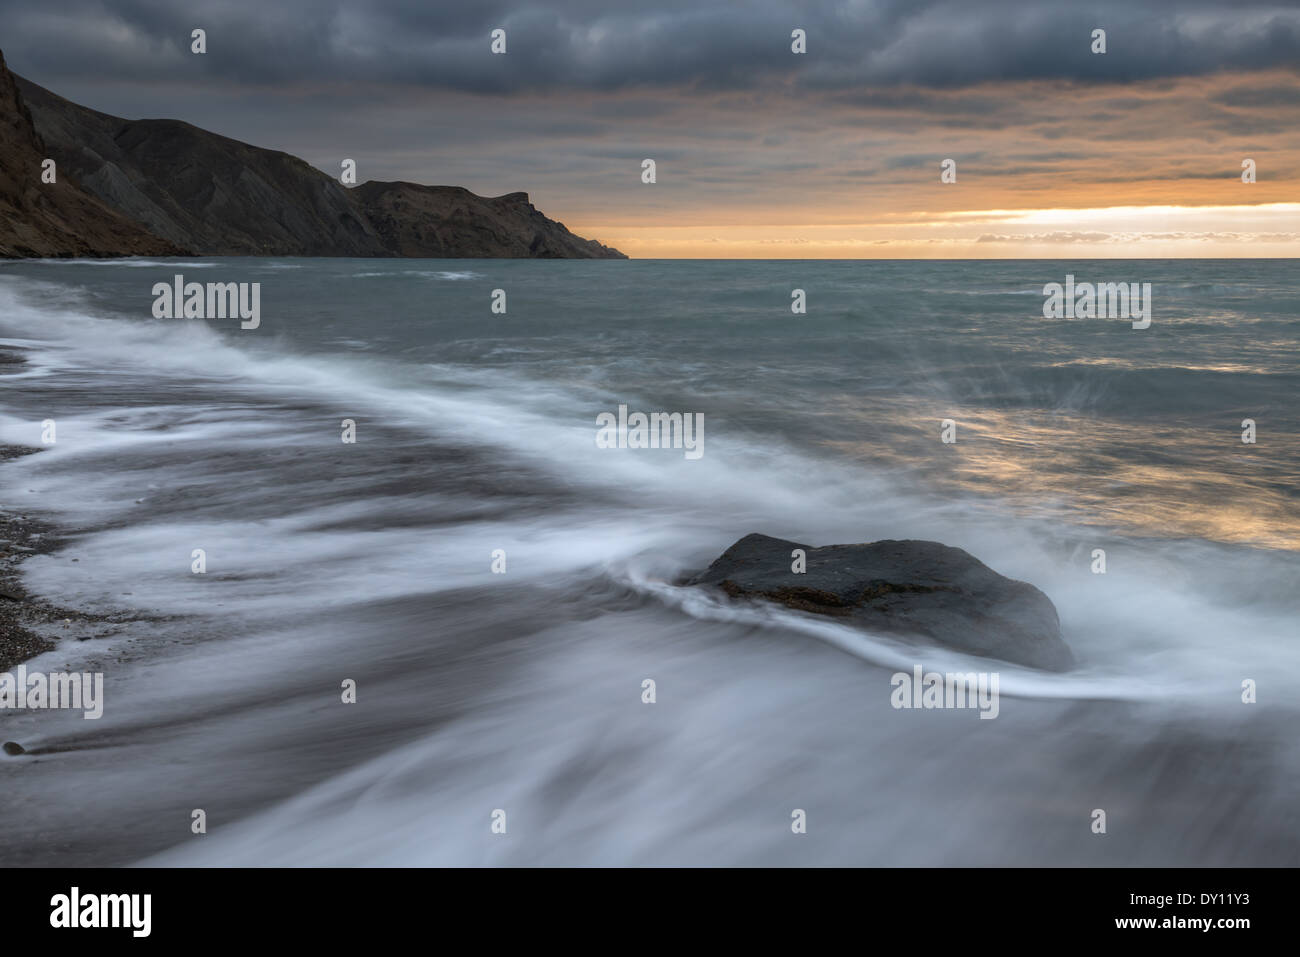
(60, 218)
(446, 221)
(215, 196)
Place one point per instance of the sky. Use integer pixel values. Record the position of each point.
(759, 152)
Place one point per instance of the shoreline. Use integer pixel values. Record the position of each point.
(32, 624)
(21, 537)
(22, 613)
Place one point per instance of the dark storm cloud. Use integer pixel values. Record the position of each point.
(596, 45)
(748, 137)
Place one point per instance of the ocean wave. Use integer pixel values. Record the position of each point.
(888, 651)
(452, 276)
(444, 275)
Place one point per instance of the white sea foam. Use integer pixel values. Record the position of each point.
(522, 690)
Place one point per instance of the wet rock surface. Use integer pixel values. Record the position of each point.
(901, 587)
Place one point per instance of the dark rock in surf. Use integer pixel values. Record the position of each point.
(901, 587)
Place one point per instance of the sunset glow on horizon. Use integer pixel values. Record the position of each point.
(762, 151)
(1158, 232)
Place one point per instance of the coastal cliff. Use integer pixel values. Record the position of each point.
(166, 187)
(61, 218)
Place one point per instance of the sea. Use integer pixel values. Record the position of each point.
(367, 590)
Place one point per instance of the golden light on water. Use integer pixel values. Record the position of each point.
(1094, 471)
